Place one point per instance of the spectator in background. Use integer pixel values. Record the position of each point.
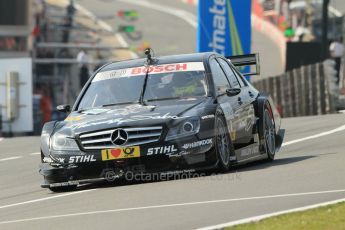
(337, 52)
(70, 10)
(45, 103)
(67, 26)
(44, 29)
(100, 58)
(36, 32)
(83, 60)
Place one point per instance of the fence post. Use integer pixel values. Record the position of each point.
(318, 89)
(285, 95)
(282, 95)
(322, 89)
(293, 92)
(328, 99)
(262, 85)
(276, 92)
(298, 91)
(313, 94)
(266, 86)
(302, 88)
(289, 95)
(309, 91)
(271, 87)
(330, 84)
(257, 85)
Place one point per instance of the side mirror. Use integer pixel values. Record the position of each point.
(233, 92)
(64, 108)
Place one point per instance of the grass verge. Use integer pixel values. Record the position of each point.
(330, 217)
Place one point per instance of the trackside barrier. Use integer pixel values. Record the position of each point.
(309, 90)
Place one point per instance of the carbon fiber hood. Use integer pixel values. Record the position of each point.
(128, 116)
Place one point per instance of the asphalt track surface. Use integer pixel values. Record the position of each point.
(304, 173)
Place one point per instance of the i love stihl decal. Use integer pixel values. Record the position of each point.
(120, 153)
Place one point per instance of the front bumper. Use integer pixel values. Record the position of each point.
(75, 168)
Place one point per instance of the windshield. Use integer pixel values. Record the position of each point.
(179, 80)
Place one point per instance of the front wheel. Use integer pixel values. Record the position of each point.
(223, 144)
(269, 133)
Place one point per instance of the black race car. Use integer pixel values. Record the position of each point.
(159, 115)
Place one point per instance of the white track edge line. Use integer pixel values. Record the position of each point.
(339, 129)
(10, 158)
(46, 198)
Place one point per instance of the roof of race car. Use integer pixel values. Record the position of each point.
(194, 57)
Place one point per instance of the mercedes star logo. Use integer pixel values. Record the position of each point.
(119, 137)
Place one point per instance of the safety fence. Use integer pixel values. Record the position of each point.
(309, 90)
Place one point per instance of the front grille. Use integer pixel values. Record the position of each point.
(136, 136)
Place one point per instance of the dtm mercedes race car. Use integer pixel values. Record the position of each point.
(156, 115)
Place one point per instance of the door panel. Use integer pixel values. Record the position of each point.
(250, 94)
(221, 83)
(247, 117)
(241, 104)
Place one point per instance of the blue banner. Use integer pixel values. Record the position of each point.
(224, 26)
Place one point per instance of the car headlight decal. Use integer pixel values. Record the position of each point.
(186, 128)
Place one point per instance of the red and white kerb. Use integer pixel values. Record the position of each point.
(156, 69)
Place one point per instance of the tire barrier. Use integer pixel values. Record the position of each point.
(308, 90)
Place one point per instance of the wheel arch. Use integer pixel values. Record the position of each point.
(261, 101)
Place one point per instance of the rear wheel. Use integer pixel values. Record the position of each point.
(269, 133)
(223, 144)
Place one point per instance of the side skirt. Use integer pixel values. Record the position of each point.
(249, 153)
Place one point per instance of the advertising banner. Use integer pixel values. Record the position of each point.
(224, 26)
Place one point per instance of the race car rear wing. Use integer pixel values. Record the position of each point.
(246, 60)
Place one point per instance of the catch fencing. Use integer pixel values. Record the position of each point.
(309, 90)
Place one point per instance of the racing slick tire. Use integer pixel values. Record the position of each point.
(223, 145)
(269, 132)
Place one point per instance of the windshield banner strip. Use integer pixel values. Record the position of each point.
(156, 69)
